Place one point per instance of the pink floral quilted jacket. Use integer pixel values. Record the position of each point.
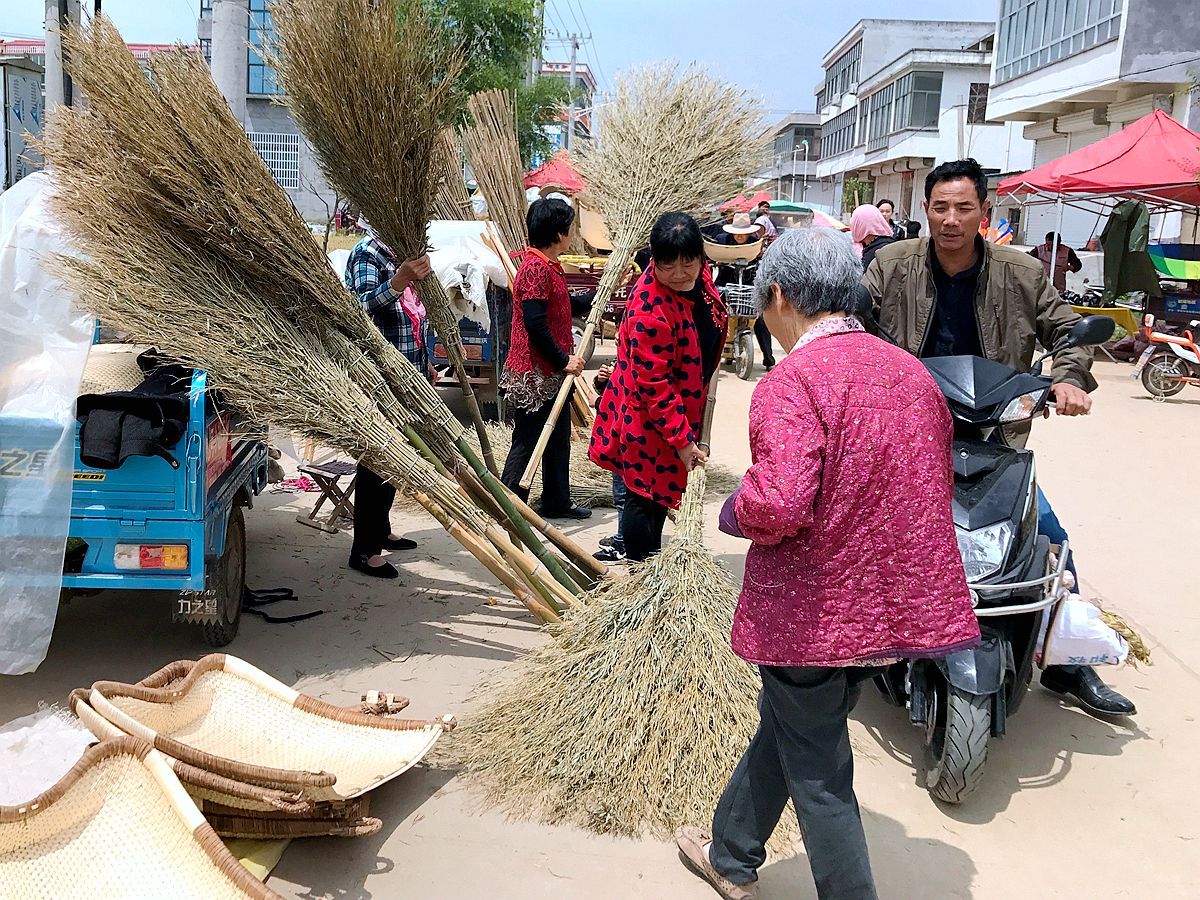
(847, 504)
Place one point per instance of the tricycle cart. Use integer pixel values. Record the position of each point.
(736, 260)
(171, 522)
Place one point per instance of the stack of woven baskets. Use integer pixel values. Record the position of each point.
(198, 751)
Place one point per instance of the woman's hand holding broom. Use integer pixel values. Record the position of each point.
(410, 271)
(692, 456)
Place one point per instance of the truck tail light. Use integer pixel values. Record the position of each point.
(151, 556)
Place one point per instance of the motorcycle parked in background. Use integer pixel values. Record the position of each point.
(1170, 362)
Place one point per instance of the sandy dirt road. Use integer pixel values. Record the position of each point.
(1071, 807)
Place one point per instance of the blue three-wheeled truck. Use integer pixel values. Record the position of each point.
(172, 521)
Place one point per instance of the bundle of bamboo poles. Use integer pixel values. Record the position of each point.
(373, 85)
(674, 140)
(490, 142)
(155, 178)
(450, 199)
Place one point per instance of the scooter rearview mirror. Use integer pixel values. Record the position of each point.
(1090, 330)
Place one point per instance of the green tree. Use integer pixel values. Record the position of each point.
(501, 38)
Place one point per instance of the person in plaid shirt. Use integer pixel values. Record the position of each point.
(384, 287)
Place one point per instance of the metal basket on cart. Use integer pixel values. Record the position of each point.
(739, 299)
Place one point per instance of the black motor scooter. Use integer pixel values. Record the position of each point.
(964, 699)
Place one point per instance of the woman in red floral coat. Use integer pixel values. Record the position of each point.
(668, 346)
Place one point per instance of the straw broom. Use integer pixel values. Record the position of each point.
(450, 199)
(665, 715)
(188, 162)
(490, 142)
(372, 85)
(136, 150)
(673, 140)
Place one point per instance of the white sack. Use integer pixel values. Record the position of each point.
(44, 341)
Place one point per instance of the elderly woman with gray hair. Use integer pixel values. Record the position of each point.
(853, 562)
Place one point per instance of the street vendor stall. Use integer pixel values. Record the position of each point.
(1153, 161)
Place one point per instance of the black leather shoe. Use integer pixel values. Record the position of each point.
(384, 570)
(571, 512)
(1088, 689)
(399, 544)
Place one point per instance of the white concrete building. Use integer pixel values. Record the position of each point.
(1078, 71)
(900, 97)
(791, 173)
(229, 32)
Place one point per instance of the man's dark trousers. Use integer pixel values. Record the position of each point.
(802, 751)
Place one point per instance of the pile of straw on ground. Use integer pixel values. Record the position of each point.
(633, 720)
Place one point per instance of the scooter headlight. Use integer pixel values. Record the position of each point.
(983, 551)
(1024, 407)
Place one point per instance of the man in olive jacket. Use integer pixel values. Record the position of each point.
(955, 294)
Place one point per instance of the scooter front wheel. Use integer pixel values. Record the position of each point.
(1163, 375)
(743, 354)
(958, 728)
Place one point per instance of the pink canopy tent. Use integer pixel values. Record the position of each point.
(737, 204)
(557, 172)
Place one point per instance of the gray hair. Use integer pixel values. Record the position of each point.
(816, 269)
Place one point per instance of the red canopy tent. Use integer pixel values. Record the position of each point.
(742, 203)
(557, 172)
(1154, 159)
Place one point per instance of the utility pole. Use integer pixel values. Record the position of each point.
(535, 63)
(571, 100)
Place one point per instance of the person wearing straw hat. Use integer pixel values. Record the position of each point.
(739, 231)
(540, 355)
(853, 560)
(668, 346)
(383, 285)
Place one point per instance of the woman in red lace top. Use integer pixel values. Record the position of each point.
(540, 355)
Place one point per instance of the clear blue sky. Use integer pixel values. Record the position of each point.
(771, 47)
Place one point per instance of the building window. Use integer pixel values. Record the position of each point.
(281, 153)
(918, 101)
(206, 9)
(837, 135)
(206, 49)
(260, 77)
(977, 104)
(879, 117)
(841, 77)
(1037, 33)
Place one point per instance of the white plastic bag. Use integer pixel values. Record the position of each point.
(44, 341)
(1077, 636)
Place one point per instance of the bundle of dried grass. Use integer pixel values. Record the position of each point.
(667, 711)
(373, 86)
(157, 175)
(451, 200)
(490, 141)
(674, 139)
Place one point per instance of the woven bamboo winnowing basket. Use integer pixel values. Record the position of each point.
(119, 824)
(223, 716)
